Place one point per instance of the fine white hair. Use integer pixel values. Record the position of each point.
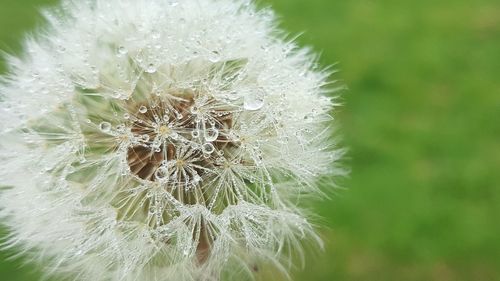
(162, 140)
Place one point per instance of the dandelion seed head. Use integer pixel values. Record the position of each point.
(161, 140)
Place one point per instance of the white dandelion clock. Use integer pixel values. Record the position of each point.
(161, 140)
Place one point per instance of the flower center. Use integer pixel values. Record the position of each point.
(178, 136)
(164, 131)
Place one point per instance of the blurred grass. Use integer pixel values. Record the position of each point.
(421, 120)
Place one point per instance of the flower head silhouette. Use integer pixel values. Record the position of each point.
(161, 140)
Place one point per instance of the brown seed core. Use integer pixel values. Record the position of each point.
(144, 160)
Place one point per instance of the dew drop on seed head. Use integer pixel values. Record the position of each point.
(156, 34)
(161, 173)
(151, 68)
(122, 51)
(211, 134)
(253, 101)
(120, 128)
(105, 126)
(195, 133)
(214, 56)
(143, 109)
(194, 110)
(208, 148)
(196, 179)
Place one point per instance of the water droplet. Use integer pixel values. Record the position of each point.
(211, 134)
(120, 128)
(117, 94)
(196, 179)
(143, 109)
(126, 115)
(220, 160)
(195, 133)
(254, 101)
(151, 68)
(122, 51)
(214, 56)
(208, 148)
(161, 173)
(156, 143)
(156, 34)
(61, 49)
(105, 126)
(194, 109)
(145, 138)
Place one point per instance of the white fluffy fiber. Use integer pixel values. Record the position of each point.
(69, 124)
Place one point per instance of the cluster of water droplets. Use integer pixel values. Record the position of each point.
(175, 136)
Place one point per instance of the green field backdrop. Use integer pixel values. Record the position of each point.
(421, 119)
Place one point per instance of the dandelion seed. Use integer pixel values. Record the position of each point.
(144, 140)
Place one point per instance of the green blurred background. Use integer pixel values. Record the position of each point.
(421, 119)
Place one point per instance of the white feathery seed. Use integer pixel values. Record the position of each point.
(162, 140)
